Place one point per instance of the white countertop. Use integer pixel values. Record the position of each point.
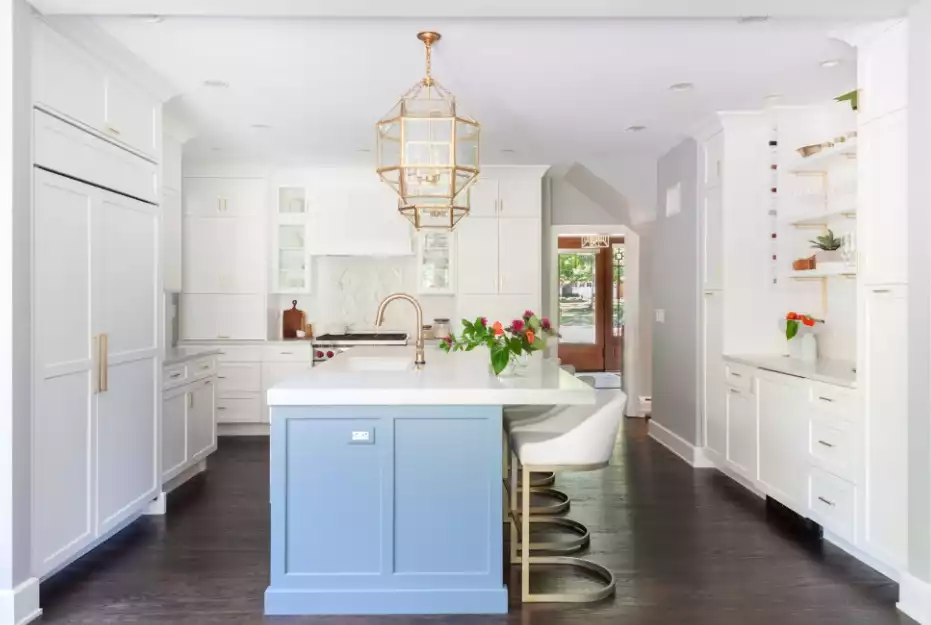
(462, 378)
(175, 355)
(839, 372)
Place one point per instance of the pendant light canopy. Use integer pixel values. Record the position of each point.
(428, 152)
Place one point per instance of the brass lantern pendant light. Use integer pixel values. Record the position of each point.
(428, 152)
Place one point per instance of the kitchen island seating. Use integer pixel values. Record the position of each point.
(540, 483)
(570, 438)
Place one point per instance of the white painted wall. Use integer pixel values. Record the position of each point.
(19, 598)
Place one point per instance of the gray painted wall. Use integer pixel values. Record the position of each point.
(676, 291)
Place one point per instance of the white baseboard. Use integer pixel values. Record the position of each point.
(158, 506)
(242, 429)
(915, 598)
(679, 446)
(20, 605)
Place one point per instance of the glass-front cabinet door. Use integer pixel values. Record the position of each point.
(292, 257)
(435, 271)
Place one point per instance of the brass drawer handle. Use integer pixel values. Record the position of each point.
(830, 503)
(175, 375)
(827, 399)
(825, 443)
(736, 375)
(221, 407)
(221, 377)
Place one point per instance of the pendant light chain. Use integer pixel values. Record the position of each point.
(429, 78)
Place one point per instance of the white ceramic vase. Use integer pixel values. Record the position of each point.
(809, 347)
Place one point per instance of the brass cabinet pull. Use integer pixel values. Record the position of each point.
(221, 407)
(736, 375)
(830, 503)
(175, 375)
(190, 399)
(825, 398)
(221, 377)
(104, 383)
(825, 443)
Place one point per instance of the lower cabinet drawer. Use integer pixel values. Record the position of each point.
(174, 375)
(831, 447)
(240, 409)
(203, 368)
(239, 377)
(832, 503)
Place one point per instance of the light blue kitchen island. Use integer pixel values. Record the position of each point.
(386, 493)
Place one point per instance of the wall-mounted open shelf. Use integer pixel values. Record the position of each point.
(838, 270)
(822, 161)
(822, 221)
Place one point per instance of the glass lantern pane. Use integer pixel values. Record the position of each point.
(464, 180)
(388, 137)
(427, 141)
(423, 107)
(466, 144)
(427, 182)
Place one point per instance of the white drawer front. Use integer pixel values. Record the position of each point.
(174, 375)
(832, 447)
(834, 400)
(739, 376)
(832, 503)
(240, 410)
(240, 353)
(239, 377)
(288, 352)
(202, 368)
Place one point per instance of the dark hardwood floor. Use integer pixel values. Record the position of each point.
(688, 548)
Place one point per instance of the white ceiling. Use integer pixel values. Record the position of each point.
(552, 90)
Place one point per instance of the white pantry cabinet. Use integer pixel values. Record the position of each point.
(71, 83)
(715, 417)
(741, 412)
(94, 430)
(509, 192)
(223, 317)
(172, 242)
(225, 197)
(885, 435)
(499, 255)
(224, 255)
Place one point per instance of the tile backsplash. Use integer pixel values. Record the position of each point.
(346, 290)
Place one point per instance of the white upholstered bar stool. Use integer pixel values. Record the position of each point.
(540, 483)
(574, 438)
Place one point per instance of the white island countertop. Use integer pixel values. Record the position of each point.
(385, 376)
(839, 372)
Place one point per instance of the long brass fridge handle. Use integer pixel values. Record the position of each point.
(104, 383)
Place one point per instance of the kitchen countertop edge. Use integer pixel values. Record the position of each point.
(836, 372)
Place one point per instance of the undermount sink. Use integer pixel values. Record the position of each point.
(379, 363)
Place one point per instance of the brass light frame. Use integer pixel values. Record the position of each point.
(445, 207)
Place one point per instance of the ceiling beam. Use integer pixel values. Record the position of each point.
(661, 9)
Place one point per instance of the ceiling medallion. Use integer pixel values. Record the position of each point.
(596, 241)
(428, 152)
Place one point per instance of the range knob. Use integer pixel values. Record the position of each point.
(319, 354)
(329, 354)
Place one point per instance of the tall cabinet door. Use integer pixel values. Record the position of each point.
(478, 255)
(125, 294)
(202, 423)
(63, 486)
(519, 255)
(713, 372)
(885, 529)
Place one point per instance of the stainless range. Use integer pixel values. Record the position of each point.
(327, 346)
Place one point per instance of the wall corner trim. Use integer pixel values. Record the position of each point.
(692, 455)
(20, 605)
(915, 598)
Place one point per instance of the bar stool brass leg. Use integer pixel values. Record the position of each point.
(513, 510)
(525, 539)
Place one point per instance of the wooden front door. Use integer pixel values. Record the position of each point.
(591, 299)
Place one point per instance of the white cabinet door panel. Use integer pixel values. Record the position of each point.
(225, 197)
(202, 423)
(224, 255)
(741, 432)
(882, 222)
(519, 255)
(223, 317)
(66, 79)
(882, 68)
(172, 152)
(171, 241)
(520, 196)
(885, 376)
(714, 373)
(63, 441)
(483, 195)
(245, 409)
(131, 116)
(174, 432)
(784, 410)
(477, 251)
(712, 239)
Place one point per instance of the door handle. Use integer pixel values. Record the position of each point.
(103, 362)
(736, 375)
(827, 399)
(190, 400)
(175, 375)
(825, 443)
(827, 501)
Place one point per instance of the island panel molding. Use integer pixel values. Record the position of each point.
(405, 522)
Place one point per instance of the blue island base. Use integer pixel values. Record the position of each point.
(386, 510)
(345, 602)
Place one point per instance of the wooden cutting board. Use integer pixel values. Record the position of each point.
(291, 321)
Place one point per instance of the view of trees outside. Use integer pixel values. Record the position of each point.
(577, 294)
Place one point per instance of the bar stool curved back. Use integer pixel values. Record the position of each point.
(571, 438)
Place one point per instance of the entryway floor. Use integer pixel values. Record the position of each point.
(688, 547)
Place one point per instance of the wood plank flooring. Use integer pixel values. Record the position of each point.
(688, 548)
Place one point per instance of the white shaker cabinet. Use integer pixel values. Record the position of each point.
(510, 192)
(483, 197)
(174, 432)
(477, 252)
(519, 255)
(189, 423)
(741, 416)
(784, 409)
(95, 417)
(224, 255)
(223, 317)
(714, 384)
(885, 436)
(225, 197)
(172, 254)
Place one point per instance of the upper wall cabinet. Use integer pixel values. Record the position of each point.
(224, 197)
(882, 68)
(72, 84)
(506, 192)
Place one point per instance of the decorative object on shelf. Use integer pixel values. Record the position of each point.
(805, 264)
(853, 97)
(292, 320)
(506, 345)
(827, 243)
(848, 249)
(595, 241)
(441, 327)
(814, 148)
(428, 152)
(806, 347)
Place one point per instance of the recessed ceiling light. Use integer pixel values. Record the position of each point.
(217, 148)
(216, 84)
(636, 128)
(363, 150)
(752, 19)
(508, 151)
(260, 126)
(153, 19)
(773, 97)
(830, 63)
(681, 86)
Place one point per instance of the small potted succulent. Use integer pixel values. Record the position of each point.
(828, 244)
(506, 345)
